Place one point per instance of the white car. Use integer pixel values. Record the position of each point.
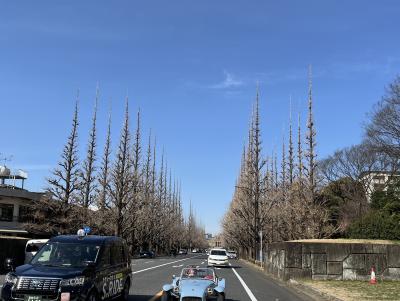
(232, 254)
(217, 257)
(32, 247)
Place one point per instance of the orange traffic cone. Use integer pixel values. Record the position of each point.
(373, 278)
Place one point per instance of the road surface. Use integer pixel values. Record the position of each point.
(243, 281)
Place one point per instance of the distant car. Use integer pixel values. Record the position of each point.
(195, 250)
(32, 247)
(183, 252)
(195, 283)
(146, 254)
(231, 254)
(217, 257)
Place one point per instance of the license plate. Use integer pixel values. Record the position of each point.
(32, 298)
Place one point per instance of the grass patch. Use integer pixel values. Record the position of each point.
(358, 290)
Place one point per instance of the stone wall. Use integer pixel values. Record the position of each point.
(336, 261)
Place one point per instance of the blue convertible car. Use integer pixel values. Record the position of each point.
(195, 284)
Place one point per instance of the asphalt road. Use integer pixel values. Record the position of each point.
(149, 275)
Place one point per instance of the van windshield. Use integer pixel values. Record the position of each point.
(66, 254)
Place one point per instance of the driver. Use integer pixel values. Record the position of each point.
(192, 273)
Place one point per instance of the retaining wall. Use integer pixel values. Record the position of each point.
(332, 261)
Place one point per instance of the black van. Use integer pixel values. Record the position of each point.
(73, 268)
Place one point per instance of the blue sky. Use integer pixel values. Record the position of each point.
(192, 68)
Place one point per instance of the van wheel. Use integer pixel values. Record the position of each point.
(165, 296)
(125, 291)
(221, 297)
(92, 296)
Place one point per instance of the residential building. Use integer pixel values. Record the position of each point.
(377, 181)
(15, 202)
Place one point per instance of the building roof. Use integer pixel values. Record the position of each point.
(14, 192)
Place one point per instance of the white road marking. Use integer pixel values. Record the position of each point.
(202, 262)
(157, 266)
(177, 266)
(246, 288)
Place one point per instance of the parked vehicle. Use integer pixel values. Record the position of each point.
(217, 257)
(195, 283)
(146, 254)
(231, 254)
(183, 252)
(72, 268)
(32, 247)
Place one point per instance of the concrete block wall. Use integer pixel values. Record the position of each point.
(332, 261)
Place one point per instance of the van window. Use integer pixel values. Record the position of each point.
(126, 252)
(105, 257)
(117, 254)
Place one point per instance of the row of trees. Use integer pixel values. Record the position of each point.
(125, 192)
(298, 197)
(274, 202)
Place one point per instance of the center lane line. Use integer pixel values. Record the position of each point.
(246, 288)
(161, 265)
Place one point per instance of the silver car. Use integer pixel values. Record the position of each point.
(195, 284)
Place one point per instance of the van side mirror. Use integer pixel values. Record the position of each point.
(9, 265)
(173, 276)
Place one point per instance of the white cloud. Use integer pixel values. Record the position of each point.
(229, 82)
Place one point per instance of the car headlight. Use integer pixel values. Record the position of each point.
(176, 289)
(11, 278)
(73, 281)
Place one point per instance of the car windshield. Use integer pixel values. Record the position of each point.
(197, 273)
(66, 254)
(218, 252)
